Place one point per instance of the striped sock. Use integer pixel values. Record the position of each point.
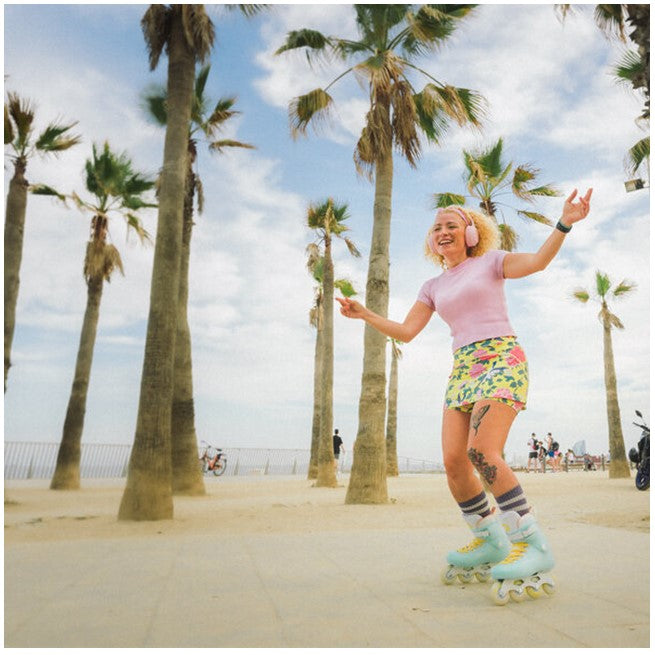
(478, 505)
(513, 500)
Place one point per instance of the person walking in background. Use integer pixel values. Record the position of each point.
(487, 388)
(534, 452)
(338, 447)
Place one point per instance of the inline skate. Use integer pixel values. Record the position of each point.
(524, 572)
(489, 546)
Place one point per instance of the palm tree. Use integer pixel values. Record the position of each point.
(187, 35)
(117, 190)
(315, 265)
(629, 70)
(619, 467)
(487, 178)
(613, 20)
(23, 144)
(205, 123)
(392, 409)
(391, 36)
(327, 220)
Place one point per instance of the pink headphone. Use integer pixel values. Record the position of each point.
(471, 236)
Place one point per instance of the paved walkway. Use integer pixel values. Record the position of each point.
(360, 588)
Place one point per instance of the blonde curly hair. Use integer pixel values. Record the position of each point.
(487, 230)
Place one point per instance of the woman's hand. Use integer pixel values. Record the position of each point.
(576, 211)
(351, 308)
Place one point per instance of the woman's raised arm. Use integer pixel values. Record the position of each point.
(520, 264)
(416, 319)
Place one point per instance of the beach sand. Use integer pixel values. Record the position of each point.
(276, 562)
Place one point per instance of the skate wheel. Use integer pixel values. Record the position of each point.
(448, 575)
(548, 588)
(496, 594)
(483, 577)
(465, 577)
(517, 595)
(534, 593)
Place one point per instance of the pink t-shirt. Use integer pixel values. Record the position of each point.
(471, 299)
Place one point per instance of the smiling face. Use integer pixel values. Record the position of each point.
(448, 237)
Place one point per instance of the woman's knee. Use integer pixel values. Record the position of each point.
(487, 462)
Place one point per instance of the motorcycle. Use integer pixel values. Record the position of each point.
(213, 459)
(641, 455)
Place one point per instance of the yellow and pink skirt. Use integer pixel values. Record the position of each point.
(495, 369)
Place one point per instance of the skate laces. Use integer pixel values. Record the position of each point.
(517, 551)
(476, 543)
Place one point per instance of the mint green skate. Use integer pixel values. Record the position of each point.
(524, 572)
(489, 546)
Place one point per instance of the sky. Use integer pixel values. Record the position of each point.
(552, 99)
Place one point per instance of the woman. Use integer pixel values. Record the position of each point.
(486, 389)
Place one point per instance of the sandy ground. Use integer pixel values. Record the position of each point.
(66, 554)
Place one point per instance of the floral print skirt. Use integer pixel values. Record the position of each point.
(494, 369)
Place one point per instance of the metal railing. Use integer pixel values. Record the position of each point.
(25, 460)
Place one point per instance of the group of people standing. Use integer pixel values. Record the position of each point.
(542, 453)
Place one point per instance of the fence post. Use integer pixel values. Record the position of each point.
(30, 471)
(293, 470)
(236, 467)
(268, 459)
(602, 462)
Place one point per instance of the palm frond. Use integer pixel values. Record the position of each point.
(638, 154)
(54, 138)
(22, 115)
(219, 146)
(581, 294)
(101, 260)
(509, 238)
(534, 216)
(200, 195)
(615, 321)
(547, 190)
(629, 67)
(134, 224)
(316, 43)
(610, 20)
(156, 25)
(352, 248)
(404, 122)
(313, 257)
(45, 190)
(313, 107)
(603, 284)
(9, 128)
(375, 140)
(154, 102)
(198, 30)
(345, 287)
(447, 199)
(624, 287)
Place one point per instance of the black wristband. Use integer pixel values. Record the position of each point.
(563, 228)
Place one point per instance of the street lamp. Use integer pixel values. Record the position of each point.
(634, 185)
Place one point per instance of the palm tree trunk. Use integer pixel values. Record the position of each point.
(187, 472)
(392, 406)
(368, 479)
(67, 470)
(14, 232)
(326, 470)
(148, 491)
(618, 463)
(316, 416)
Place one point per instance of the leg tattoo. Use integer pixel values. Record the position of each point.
(476, 419)
(487, 471)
